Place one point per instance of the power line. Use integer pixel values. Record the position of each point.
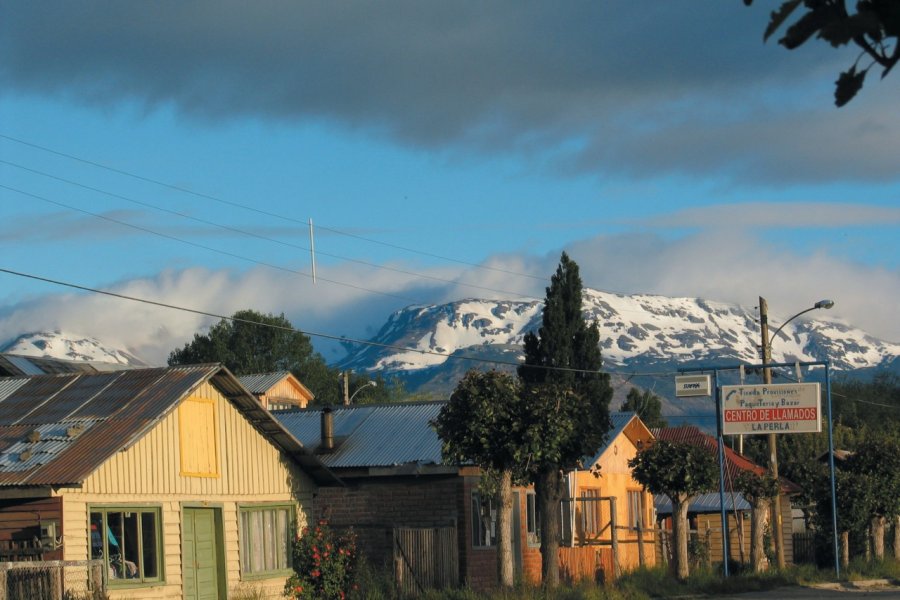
(252, 234)
(327, 336)
(203, 247)
(212, 198)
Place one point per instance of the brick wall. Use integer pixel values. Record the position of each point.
(375, 506)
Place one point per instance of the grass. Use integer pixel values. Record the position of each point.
(647, 583)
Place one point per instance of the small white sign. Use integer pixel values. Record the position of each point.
(692, 385)
(772, 408)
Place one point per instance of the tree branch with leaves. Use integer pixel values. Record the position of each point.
(874, 28)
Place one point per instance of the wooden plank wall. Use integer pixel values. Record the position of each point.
(20, 525)
(425, 558)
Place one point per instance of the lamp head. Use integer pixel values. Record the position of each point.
(824, 304)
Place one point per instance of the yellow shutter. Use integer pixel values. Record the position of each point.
(198, 436)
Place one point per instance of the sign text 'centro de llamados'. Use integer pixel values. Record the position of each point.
(772, 408)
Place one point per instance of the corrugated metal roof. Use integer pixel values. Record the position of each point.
(387, 435)
(19, 364)
(24, 365)
(260, 383)
(704, 503)
(114, 410)
(8, 385)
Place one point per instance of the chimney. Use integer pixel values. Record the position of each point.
(327, 442)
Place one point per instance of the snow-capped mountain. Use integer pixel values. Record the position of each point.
(63, 345)
(638, 333)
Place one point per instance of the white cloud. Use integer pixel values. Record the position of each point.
(728, 267)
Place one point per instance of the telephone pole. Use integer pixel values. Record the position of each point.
(773, 440)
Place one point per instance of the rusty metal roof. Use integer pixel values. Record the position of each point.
(734, 462)
(386, 435)
(57, 429)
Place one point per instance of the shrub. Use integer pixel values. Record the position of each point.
(323, 563)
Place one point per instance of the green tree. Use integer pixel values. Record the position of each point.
(647, 405)
(568, 401)
(759, 491)
(876, 465)
(482, 424)
(252, 342)
(874, 28)
(680, 471)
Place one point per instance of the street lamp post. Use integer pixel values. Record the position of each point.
(370, 383)
(772, 438)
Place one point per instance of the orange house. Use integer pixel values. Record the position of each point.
(608, 513)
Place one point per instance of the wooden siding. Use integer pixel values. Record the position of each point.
(713, 523)
(20, 521)
(252, 471)
(284, 392)
(615, 480)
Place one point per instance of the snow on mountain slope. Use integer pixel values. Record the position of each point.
(58, 344)
(638, 332)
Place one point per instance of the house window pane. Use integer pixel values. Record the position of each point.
(265, 539)
(532, 519)
(149, 544)
(484, 521)
(590, 511)
(635, 509)
(128, 541)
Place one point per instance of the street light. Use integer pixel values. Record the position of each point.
(369, 383)
(773, 440)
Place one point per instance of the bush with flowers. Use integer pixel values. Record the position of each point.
(323, 564)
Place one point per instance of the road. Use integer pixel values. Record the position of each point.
(808, 593)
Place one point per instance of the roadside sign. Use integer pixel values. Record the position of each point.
(772, 408)
(692, 385)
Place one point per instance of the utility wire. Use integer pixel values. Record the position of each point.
(185, 190)
(255, 235)
(201, 246)
(286, 218)
(327, 336)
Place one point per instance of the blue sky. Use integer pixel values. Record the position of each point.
(442, 151)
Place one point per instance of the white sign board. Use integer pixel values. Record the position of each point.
(692, 385)
(772, 408)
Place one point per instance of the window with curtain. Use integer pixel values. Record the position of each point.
(635, 509)
(590, 511)
(265, 539)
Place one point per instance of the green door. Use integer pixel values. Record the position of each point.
(200, 554)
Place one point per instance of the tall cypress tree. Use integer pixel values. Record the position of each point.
(568, 400)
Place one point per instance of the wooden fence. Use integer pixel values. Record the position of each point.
(52, 580)
(425, 558)
(805, 547)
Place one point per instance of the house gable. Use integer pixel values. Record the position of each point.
(165, 459)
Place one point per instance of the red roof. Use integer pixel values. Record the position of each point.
(734, 462)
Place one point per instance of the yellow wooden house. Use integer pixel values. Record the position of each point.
(177, 479)
(606, 508)
(279, 390)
